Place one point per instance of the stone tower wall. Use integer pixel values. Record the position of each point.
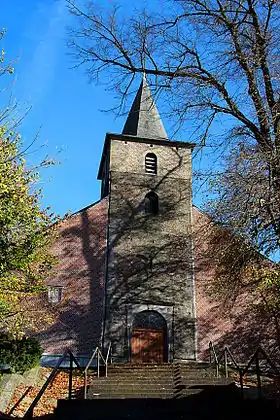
(150, 260)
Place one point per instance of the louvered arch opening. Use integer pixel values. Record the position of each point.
(151, 164)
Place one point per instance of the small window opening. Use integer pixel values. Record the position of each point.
(54, 294)
(151, 203)
(151, 163)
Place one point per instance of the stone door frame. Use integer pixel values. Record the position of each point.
(166, 311)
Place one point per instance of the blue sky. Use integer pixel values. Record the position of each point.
(65, 107)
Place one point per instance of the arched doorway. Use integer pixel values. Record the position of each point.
(149, 338)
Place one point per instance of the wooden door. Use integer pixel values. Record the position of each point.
(147, 345)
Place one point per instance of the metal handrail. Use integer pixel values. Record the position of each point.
(212, 350)
(109, 352)
(29, 412)
(226, 352)
(242, 371)
(97, 353)
(256, 357)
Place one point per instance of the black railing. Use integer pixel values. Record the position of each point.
(256, 358)
(65, 356)
(226, 355)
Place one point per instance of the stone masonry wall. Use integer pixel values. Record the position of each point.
(150, 256)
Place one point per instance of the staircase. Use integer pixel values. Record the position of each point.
(167, 391)
(163, 381)
(193, 378)
(177, 391)
(134, 381)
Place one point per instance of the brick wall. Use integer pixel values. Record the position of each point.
(236, 320)
(80, 249)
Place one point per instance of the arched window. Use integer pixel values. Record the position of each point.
(151, 163)
(151, 203)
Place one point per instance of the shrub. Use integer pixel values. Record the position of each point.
(19, 355)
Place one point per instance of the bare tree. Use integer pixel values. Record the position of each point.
(211, 60)
(215, 57)
(243, 199)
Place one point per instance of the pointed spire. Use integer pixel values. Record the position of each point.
(143, 119)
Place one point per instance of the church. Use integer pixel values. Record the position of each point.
(133, 269)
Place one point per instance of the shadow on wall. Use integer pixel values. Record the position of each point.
(80, 250)
(150, 263)
(150, 258)
(231, 309)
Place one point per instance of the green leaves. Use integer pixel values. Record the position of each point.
(26, 231)
(19, 354)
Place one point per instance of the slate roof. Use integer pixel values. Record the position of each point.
(143, 119)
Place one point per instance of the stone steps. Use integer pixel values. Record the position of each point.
(135, 377)
(194, 376)
(110, 389)
(206, 381)
(154, 381)
(134, 381)
(137, 395)
(140, 373)
(168, 392)
(126, 384)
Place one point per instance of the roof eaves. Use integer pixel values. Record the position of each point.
(158, 141)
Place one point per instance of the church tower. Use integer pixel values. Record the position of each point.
(149, 291)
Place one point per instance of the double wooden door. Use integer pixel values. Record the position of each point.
(147, 345)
